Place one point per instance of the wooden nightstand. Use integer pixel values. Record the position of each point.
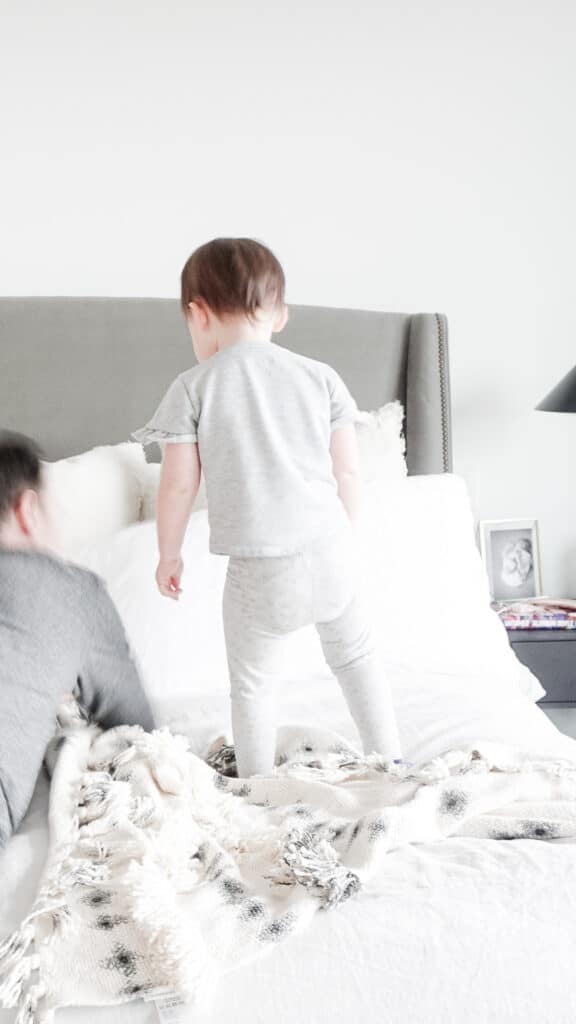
(551, 656)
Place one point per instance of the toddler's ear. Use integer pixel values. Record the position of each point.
(197, 315)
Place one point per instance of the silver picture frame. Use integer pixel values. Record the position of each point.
(510, 550)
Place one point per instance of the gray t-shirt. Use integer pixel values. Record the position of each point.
(262, 417)
(59, 634)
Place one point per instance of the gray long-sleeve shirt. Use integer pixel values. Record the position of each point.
(59, 634)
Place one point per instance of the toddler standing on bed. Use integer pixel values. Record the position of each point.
(273, 433)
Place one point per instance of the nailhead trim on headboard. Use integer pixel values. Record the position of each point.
(443, 368)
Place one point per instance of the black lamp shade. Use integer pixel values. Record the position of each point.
(562, 398)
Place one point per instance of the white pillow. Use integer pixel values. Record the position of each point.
(426, 587)
(149, 483)
(424, 582)
(381, 444)
(93, 495)
(381, 453)
(179, 644)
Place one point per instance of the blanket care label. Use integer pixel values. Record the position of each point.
(173, 1009)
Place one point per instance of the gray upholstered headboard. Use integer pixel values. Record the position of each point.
(78, 372)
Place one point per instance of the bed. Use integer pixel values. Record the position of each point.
(466, 929)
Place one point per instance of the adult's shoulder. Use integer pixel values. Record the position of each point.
(86, 590)
(92, 587)
(46, 567)
(38, 586)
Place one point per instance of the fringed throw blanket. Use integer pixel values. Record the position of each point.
(164, 873)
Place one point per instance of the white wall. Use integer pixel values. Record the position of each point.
(403, 156)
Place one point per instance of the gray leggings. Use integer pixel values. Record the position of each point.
(267, 598)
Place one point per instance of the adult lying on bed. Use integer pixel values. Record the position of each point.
(59, 634)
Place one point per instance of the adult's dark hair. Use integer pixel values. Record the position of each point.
(20, 469)
(232, 276)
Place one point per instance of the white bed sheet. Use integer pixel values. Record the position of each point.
(461, 930)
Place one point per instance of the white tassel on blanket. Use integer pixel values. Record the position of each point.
(164, 873)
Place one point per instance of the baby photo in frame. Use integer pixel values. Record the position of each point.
(511, 553)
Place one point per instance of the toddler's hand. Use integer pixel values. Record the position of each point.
(168, 576)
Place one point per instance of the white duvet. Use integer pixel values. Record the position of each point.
(463, 930)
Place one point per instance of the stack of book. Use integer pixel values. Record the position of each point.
(538, 613)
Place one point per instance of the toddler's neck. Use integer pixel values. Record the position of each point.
(234, 330)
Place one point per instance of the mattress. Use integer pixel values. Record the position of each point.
(460, 930)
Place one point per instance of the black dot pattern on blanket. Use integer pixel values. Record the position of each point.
(252, 910)
(107, 922)
(136, 989)
(376, 829)
(454, 802)
(97, 898)
(539, 829)
(277, 929)
(302, 812)
(532, 828)
(234, 891)
(123, 960)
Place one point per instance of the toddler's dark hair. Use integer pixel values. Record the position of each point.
(232, 276)
(20, 468)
